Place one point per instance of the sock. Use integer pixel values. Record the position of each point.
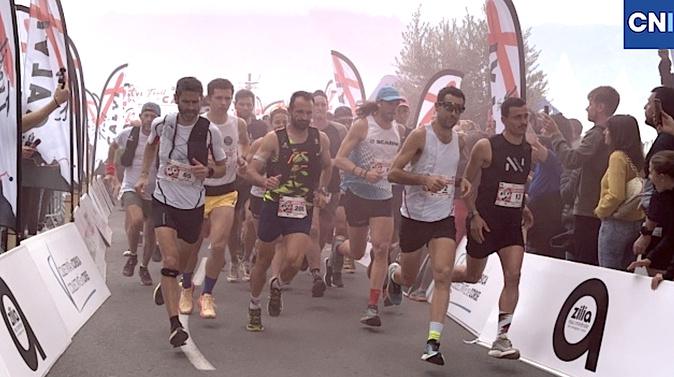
(143, 266)
(504, 320)
(175, 323)
(208, 285)
(187, 280)
(254, 302)
(374, 297)
(277, 283)
(434, 331)
(393, 276)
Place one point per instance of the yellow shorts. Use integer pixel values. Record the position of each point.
(213, 202)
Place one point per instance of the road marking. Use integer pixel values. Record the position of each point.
(190, 348)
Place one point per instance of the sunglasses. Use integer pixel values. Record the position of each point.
(452, 107)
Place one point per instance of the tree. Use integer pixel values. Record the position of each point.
(462, 46)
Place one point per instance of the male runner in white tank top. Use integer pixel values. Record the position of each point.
(427, 210)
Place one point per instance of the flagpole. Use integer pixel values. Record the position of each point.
(19, 127)
(90, 162)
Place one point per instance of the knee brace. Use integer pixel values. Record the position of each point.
(170, 272)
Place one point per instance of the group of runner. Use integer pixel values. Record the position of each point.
(308, 182)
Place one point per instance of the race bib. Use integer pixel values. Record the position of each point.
(294, 208)
(382, 167)
(179, 172)
(446, 192)
(510, 195)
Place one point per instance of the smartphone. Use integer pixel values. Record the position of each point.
(546, 109)
(657, 116)
(62, 77)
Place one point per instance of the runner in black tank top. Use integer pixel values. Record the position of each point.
(495, 217)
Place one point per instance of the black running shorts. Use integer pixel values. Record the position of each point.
(359, 211)
(186, 222)
(415, 234)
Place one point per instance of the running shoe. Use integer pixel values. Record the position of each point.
(502, 348)
(244, 273)
(129, 253)
(432, 353)
(207, 305)
(328, 273)
(254, 320)
(233, 274)
(371, 316)
(130, 266)
(178, 337)
(186, 305)
(275, 305)
(349, 265)
(336, 262)
(395, 292)
(145, 278)
(319, 286)
(157, 295)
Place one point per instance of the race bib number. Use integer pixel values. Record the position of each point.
(294, 208)
(510, 195)
(446, 192)
(179, 172)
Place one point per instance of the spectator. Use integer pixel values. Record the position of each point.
(620, 221)
(664, 67)
(591, 156)
(660, 257)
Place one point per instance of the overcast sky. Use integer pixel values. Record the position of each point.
(286, 44)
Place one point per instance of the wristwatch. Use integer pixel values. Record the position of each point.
(645, 231)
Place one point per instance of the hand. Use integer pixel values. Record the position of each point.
(113, 182)
(641, 244)
(549, 125)
(242, 165)
(135, 123)
(477, 228)
(374, 175)
(435, 183)
(199, 170)
(61, 96)
(272, 182)
(465, 187)
(320, 199)
(667, 123)
(527, 218)
(655, 282)
(141, 184)
(27, 152)
(639, 263)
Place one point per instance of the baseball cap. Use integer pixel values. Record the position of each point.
(151, 106)
(388, 93)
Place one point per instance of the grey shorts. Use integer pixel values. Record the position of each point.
(130, 198)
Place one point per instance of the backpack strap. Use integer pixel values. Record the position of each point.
(131, 145)
(198, 144)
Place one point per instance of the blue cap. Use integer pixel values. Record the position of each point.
(388, 93)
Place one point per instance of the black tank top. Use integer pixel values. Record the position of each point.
(299, 166)
(335, 142)
(501, 193)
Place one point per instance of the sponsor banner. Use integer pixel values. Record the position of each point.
(32, 333)
(471, 304)
(92, 238)
(9, 96)
(103, 197)
(351, 91)
(69, 273)
(426, 106)
(45, 56)
(98, 218)
(506, 56)
(100, 204)
(580, 320)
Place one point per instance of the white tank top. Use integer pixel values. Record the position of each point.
(377, 151)
(440, 159)
(230, 137)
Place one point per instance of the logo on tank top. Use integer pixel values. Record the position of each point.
(228, 140)
(514, 165)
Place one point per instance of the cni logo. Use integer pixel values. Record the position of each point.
(648, 24)
(580, 324)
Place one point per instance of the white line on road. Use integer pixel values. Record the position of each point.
(190, 348)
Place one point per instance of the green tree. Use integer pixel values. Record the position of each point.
(460, 45)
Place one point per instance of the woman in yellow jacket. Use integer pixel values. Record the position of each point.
(616, 235)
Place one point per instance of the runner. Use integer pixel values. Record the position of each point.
(496, 216)
(365, 157)
(298, 169)
(182, 141)
(433, 152)
(221, 197)
(324, 225)
(138, 208)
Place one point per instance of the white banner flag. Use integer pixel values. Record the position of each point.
(8, 115)
(45, 56)
(506, 56)
(426, 106)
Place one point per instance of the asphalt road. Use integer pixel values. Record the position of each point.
(316, 337)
